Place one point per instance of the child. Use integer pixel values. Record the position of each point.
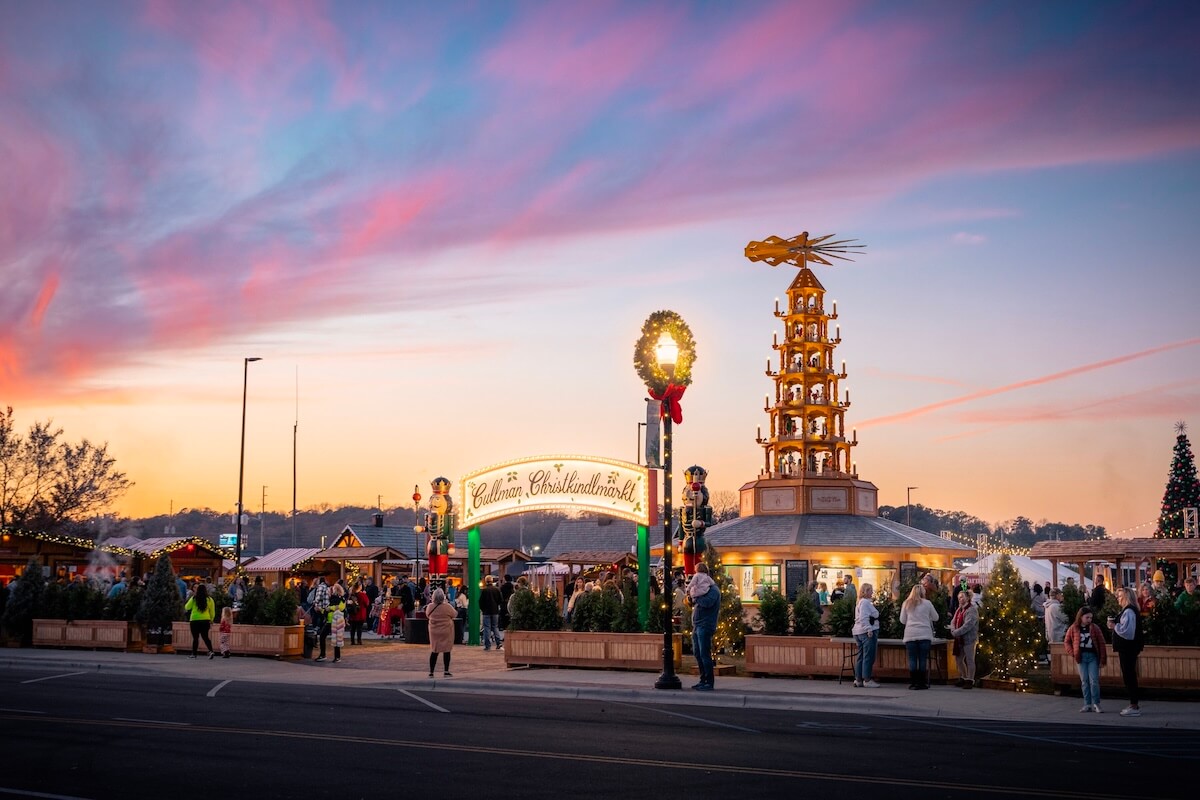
(337, 624)
(226, 630)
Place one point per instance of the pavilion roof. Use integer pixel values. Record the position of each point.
(825, 531)
(1116, 549)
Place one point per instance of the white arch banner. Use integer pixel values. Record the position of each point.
(541, 483)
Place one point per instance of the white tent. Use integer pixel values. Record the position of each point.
(1032, 570)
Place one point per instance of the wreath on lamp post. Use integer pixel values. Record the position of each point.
(662, 386)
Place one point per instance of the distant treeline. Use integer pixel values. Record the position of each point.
(1019, 532)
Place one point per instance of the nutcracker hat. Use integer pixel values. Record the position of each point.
(441, 485)
(695, 474)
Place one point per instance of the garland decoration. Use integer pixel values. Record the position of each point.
(647, 364)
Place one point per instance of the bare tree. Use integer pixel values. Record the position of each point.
(49, 484)
(726, 505)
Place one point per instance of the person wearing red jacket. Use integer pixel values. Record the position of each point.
(1085, 642)
(357, 608)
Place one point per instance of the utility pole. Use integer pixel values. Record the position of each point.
(295, 436)
(262, 525)
(908, 506)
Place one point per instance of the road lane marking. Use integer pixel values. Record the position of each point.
(839, 779)
(152, 721)
(213, 691)
(52, 677)
(19, 711)
(47, 796)
(434, 706)
(1090, 742)
(688, 716)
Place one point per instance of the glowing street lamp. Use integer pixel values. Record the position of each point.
(667, 354)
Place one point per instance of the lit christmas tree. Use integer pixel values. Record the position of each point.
(731, 632)
(1009, 631)
(1183, 490)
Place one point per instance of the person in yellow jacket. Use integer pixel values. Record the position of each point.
(335, 624)
(201, 610)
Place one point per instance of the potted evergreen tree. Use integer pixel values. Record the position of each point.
(23, 602)
(161, 606)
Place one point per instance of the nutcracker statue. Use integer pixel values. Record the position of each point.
(694, 517)
(439, 526)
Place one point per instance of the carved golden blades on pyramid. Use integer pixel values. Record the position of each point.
(801, 249)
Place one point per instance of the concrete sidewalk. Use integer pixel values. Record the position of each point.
(394, 666)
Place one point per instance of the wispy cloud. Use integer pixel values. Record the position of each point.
(904, 416)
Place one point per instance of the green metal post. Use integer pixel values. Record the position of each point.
(643, 555)
(473, 577)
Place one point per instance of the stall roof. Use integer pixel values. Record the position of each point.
(594, 557)
(1116, 549)
(361, 554)
(590, 535)
(369, 535)
(285, 558)
(497, 554)
(158, 544)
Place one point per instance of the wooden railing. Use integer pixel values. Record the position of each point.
(605, 650)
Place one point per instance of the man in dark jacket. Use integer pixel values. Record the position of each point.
(506, 592)
(490, 603)
(1099, 595)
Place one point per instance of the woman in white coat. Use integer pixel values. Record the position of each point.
(918, 615)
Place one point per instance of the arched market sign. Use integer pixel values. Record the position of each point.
(541, 483)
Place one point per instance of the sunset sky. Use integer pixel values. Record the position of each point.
(449, 220)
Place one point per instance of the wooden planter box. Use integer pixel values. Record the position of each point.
(1158, 668)
(812, 656)
(642, 651)
(278, 641)
(92, 634)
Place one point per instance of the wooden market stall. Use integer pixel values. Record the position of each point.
(1125, 562)
(283, 567)
(348, 562)
(62, 556)
(193, 557)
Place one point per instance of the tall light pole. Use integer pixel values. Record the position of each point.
(667, 353)
(908, 506)
(242, 462)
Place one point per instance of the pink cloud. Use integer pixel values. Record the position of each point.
(1012, 387)
(45, 295)
(1150, 403)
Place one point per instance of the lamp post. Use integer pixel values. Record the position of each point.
(908, 506)
(242, 463)
(666, 353)
(418, 529)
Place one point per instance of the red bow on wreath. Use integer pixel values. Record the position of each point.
(670, 400)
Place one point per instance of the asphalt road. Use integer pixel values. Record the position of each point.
(92, 735)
